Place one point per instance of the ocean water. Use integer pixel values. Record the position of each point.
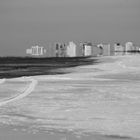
(97, 99)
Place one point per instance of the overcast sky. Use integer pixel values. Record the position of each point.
(24, 23)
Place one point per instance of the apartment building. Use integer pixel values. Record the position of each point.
(36, 51)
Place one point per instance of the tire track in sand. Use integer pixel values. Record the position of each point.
(31, 87)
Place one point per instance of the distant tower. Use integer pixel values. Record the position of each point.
(106, 49)
(129, 47)
(118, 47)
(86, 49)
(71, 49)
(36, 51)
(57, 50)
(28, 51)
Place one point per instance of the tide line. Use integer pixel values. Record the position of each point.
(31, 87)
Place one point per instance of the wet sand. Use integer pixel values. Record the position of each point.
(12, 133)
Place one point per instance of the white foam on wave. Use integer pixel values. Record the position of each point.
(21, 95)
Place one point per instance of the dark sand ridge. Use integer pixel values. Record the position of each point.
(17, 67)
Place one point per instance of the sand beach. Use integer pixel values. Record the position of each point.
(92, 102)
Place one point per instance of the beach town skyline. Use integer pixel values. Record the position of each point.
(75, 89)
(24, 24)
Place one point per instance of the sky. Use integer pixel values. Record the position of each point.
(24, 23)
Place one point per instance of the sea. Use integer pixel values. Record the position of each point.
(95, 100)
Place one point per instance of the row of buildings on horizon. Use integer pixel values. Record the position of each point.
(82, 49)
